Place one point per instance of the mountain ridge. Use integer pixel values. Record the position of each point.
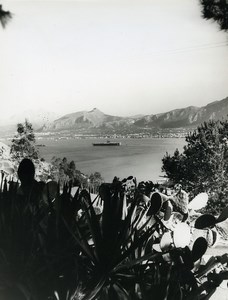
(190, 116)
(95, 121)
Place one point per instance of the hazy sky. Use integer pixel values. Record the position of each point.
(123, 57)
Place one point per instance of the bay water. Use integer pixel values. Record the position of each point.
(141, 158)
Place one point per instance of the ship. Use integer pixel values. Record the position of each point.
(108, 143)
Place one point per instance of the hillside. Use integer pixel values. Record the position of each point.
(96, 121)
(191, 116)
(186, 117)
(85, 120)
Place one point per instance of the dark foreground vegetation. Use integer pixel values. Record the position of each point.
(202, 166)
(130, 242)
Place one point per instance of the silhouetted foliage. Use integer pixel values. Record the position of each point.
(216, 10)
(76, 248)
(5, 16)
(203, 165)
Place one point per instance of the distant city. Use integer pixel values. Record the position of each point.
(166, 133)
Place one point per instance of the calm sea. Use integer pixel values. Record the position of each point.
(138, 157)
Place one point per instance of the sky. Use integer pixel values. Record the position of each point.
(122, 57)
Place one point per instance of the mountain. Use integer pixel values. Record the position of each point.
(95, 120)
(186, 117)
(85, 120)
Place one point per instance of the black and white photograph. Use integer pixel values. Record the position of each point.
(114, 149)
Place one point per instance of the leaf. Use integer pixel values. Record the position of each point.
(168, 210)
(156, 204)
(199, 248)
(166, 241)
(112, 217)
(205, 221)
(95, 229)
(95, 290)
(121, 292)
(140, 260)
(134, 245)
(223, 216)
(199, 201)
(181, 235)
(127, 231)
(81, 242)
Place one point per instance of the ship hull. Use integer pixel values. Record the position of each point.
(107, 144)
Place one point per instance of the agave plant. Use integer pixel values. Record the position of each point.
(20, 262)
(118, 246)
(36, 256)
(117, 257)
(112, 247)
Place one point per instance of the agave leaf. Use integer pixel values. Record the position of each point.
(223, 216)
(93, 293)
(107, 209)
(112, 218)
(95, 229)
(126, 231)
(52, 191)
(58, 204)
(76, 201)
(120, 292)
(125, 292)
(81, 242)
(209, 266)
(204, 221)
(168, 281)
(70, 188)
(132, 214)
(142, 219)
(65, 188)
(139, 214)
(141, 229)
(124, 207)
(137, 261)
(5, 188)
(125, 275)
(134, 245)
(2, 181)
(96, 201)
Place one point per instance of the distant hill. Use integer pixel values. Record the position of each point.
(85, 120)
(95, 119)
(186, 117)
